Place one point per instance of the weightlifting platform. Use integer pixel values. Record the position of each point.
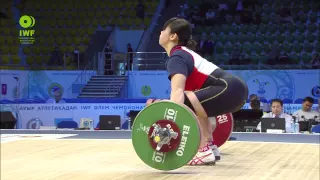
(84, 155)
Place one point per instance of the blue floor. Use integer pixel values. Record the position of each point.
(123, 134)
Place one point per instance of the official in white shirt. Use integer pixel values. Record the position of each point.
(263, 106)
(57, 98)
(306, 111)
(277, 112)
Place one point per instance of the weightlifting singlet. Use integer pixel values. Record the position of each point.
(219, 92)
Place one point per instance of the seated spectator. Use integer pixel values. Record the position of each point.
(223, 6)
(185, 7)
(277, 112)
(246, 17)
(205, 46)
(244, 59)
(210, 17)
(256, 18)
(190, 20)
(249, 4)
(306, 111)
(227, 19)
(182, 15)
(210, 14)
(235, 55)
(239, 7)
(284, 59)
(315, 62)
(223, 9)
(69, 58)
(208, 46)
(203, 8)
(140, 10)
(237, 19)
(200, 45)
(196, 16)
(285, 15)
(56, 57)
(185, 12)
(274, 55)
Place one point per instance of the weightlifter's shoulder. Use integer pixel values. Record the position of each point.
(181, 55)
(180, 62)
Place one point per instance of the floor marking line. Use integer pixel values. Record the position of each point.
(263, 142)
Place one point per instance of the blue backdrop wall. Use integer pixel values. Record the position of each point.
(289, 84)
(267, 84)
(39, 84)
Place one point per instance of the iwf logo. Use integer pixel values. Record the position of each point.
(26, 35)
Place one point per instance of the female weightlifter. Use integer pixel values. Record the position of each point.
(201, 85)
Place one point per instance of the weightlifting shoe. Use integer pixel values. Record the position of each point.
(204, 156)
(215, 150)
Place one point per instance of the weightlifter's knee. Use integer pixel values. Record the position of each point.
(193, 103)
(150, 101)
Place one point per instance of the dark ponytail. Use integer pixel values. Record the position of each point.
(191, 44)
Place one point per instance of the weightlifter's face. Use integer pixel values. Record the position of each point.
(166, 37)
(276, 108)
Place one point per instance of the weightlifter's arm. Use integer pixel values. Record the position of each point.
(177, 88)
(177, 73)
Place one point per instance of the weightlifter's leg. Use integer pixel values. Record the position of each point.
(204, 123)
(205, 154)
